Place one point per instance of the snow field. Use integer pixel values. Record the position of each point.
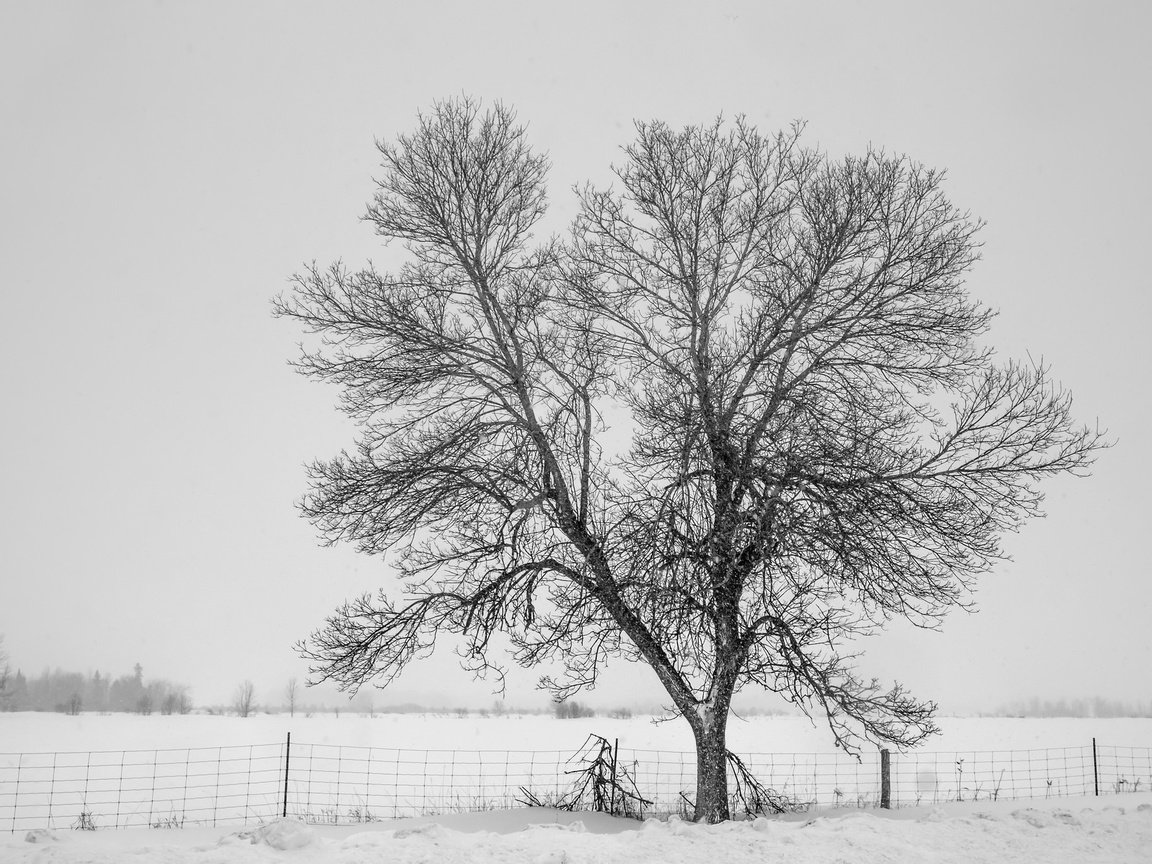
(128, 770)
(29, 732)
(1072, 830)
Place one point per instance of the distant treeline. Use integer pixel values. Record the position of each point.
(1095, 707)
(72, 692)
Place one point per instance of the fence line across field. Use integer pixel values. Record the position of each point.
(339, 784)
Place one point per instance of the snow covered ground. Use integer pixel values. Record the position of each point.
(28, 732)
(1082, 830)
(129, 770)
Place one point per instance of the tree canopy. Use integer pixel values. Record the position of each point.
(819, 441)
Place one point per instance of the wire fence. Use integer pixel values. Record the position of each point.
(133, 788)
(813, 780)
(339, 784)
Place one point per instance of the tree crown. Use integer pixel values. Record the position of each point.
(819, 443)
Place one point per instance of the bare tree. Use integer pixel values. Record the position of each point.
(784, 333)
(242, 702)
(5, 671)
(174, 699)
(290, 693)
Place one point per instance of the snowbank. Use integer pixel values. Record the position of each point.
(1113, 830)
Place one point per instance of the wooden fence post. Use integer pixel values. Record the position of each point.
(885, 779)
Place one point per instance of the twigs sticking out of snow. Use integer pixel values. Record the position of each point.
(601, 784)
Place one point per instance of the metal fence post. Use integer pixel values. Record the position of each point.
(1095, 770)
(16, 796)
(287, 757)
(885, 779)
(51, 789)
(612, 799)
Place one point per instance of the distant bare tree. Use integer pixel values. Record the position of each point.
(176, 700)
(782, 333)
(5, 673)
(570, 709)
(242, 702)
(290, 695)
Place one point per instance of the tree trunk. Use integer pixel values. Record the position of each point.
(711, 767)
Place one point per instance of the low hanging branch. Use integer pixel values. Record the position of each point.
(753, 797)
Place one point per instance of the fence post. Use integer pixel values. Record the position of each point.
(51, 790)
(612, 799)
(885, 779)
(287, 757)
(1095, 770)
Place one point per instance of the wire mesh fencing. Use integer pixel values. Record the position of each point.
(805, 780)
(341, 784)
(140, 788)
(989, 775)
(337, 784)
(1123, 769)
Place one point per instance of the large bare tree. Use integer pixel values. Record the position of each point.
(818, 443)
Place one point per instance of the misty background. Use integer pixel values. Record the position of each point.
(165, 168)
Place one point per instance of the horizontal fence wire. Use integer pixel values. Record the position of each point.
(1124, 769)
(668, 778)
(336, 784)
(140, 788)
(990, 775)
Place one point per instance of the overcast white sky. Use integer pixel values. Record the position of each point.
(165, 167)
